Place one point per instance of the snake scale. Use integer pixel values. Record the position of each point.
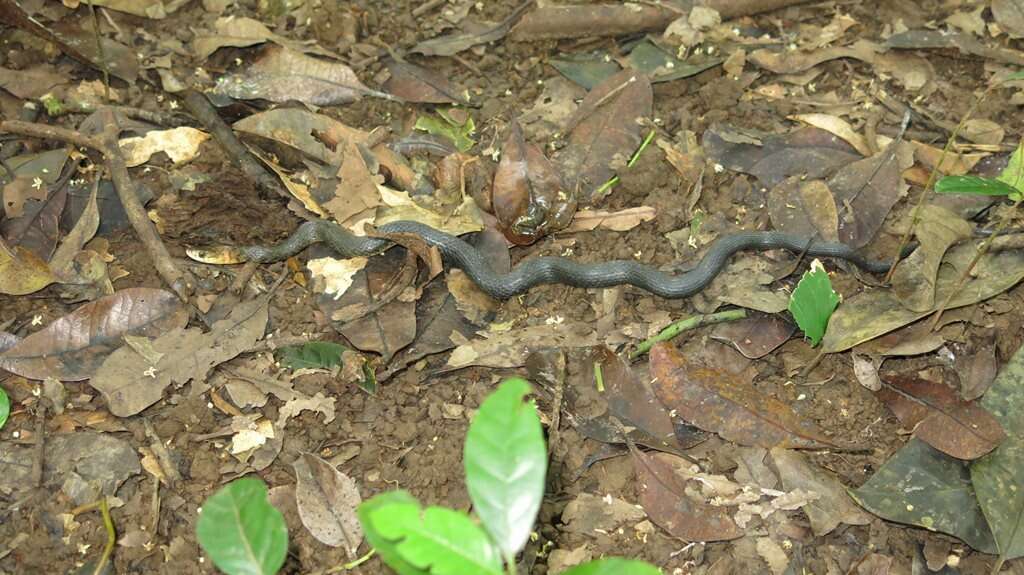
(549, 270)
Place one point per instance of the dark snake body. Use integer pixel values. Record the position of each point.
(551, 270)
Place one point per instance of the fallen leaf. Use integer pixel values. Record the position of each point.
(73, 347)
(356, 191)
(296, 405)
(511, 348)
(241, 32)
(31, 83)
(604, 126)
(832, 507)
(865, 191)
(616, 221)
(481, 33)
(130, 382)
(757, 336)
(922, 486)
(528, 196)
(414, 83)
(870, 314)
(588, 513)
(586, 70)
(281, 75)
(839, 127)
(21, 272)
(302, 130)
(999, 476)
(804, 207)
(915, 276)
(327, 501)
(808, 152)
(719, 402)
(180, 145)
(773, 555)
(631, 400)
(664, 497)
(1009, 14)
(939, 417)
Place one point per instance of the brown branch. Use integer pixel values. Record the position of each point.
(48, 132)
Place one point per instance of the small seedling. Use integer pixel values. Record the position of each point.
(813, 302)
(505, 462)
(5, 408)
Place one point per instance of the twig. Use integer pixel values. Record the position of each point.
(685, 325)
(136, 212)
(108, 522)
(48, 132)
(37, 452)
(426, 7)
(100, 52)
(928, 187)
(205, 113)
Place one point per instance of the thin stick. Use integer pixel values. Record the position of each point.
(47, 132)
(136, 212)
(684, 325)
(100, 52)
(108, 522)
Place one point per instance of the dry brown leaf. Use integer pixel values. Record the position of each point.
(327, 500)
(511, 348)
(618, 221)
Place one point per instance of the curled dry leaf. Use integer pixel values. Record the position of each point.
(963, 429)
(180, 145)
(716, 400)
(73, 347)
(528, 196)
(618, 221)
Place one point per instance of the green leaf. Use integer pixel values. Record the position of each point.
(506, 461)
(813, 302)
(1015, 76)
(313, 355)
(999, 476)
(447, 127)
(922, 486)
(1013, 174)
(388, 550)
(973, 185)
(437, 541)
(241, 531)
(5, 407)
(614, 566)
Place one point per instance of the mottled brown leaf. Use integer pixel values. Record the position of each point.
(327, 501)
(22, 272)
(528, 196)
(664, 498)
(718, 401)
(963, 429)
(865, 191)
(605, 128)
(73, 347)
(832, 507)
(804, 207)
(914, 279)
(807, 152)
(756, 336)
(415, 83)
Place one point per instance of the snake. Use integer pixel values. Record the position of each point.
(532, 272)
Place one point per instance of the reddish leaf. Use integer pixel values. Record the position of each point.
(632, 400)
(719, 401)
(663, 496)
(73, 347)
(414, 83)
(528, 196)
(963, 429)
(605, 125)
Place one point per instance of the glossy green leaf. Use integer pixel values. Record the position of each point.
(813, 302)
(241, 531)
(922, 486)
(506, 461)
(5, 408)
(387, 549)
(614, 566)
(447, 127)
(973, 185)
(436, 540)
(313, 355)
(999, 476)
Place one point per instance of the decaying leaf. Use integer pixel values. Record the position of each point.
(605, 126)
(832, 507)
(130, 382)
(717, 401)
(511, 348)
(22, 272)
(327, 500)
(940, 418)
(180, 145)
(73, 347)
(528, 196)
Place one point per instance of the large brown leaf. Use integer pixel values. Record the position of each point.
(603, 127)
(963, 429)
(718, 401)
(73, 347)
(664, 498)
(528, 196)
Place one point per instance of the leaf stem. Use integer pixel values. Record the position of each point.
(632, 161)
(682, 325)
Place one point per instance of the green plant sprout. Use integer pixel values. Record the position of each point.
(505, 460)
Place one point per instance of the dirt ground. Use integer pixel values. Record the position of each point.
(406, 435)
